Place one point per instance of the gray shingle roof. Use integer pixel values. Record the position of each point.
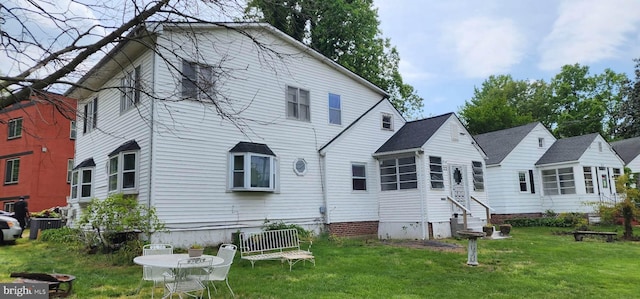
(627, 149)
(498, 144)
(567, 149)
(414, 134)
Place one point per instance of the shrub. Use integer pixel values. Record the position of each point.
(61, 235)
(302, 233)
(117, 220)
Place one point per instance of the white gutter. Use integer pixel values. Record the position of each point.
(417, 151)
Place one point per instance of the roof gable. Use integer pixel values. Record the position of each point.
(567, 149)
(499, 144)
(414, 134)
(627, 149)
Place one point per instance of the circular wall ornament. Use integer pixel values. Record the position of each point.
(300, 166)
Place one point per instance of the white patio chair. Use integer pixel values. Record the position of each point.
(220, 272)
(155, 274)
(184, 280)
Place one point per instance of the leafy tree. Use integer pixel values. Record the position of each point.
(347, 32)
(500, 103)
(630, 109)
(573, 103)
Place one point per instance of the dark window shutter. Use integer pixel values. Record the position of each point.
(84, 123)
(95, 113)
(138, 85)
(533, 185)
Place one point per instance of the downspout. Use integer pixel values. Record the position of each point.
(324, 209)
(423, 198)
(151, 127)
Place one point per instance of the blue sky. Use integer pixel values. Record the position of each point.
(449, 47)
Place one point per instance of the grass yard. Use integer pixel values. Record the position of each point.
(534, 263)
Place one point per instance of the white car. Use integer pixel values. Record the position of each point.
(10, 229)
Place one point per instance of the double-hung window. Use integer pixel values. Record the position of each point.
(525, 180)
(12, 171)
(335, 109)
(69, 169)
(387, 121)
(358, 176)
(81, 182)
(72, 130)
(198, 82)
(435, 171)
(398, 173)
(15, 128)
(478, 176)
(130, 89)
(558, 181)
(90, 116)
(252, 167)
(298, 104)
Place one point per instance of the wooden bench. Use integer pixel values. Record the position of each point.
(283, 245)
(578, 235)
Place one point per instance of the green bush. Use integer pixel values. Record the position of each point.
(560, 220)
(117, 220)
(61, 235)
(302, 233)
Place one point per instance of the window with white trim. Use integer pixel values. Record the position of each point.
(335, 109)
(358, 176)
(90, 116)
(82, 183)
(435, 172)
(15, 128)
(523, 181)
(478, 175)
(252, 172)
(198, 81)
(123, 172)
(73, 133)
(12, 171)
(69, 169)
(300, 166)
(558, 181)
(540, 142)
(398, 173)
(387, 121)
(298, 104)
(130, 89)
(588, 179)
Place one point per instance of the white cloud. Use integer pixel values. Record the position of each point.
(589, 31)
(486, 46)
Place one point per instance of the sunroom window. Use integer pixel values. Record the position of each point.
(252, 167)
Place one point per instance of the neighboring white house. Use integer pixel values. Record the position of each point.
(577, 171)
(529, 172)
(629, 151)
(513, 182)
(296, 145)
(423, 168)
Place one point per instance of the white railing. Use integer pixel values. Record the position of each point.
(465, 211)
(486, 207)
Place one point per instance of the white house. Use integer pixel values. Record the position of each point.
(295, 144)
(576, 171)
(629, 151)
(430, 171)
(529, 172)
(513, 182)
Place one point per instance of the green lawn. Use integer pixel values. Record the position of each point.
(534, 263)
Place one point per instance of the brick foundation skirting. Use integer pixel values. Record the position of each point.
(347, 229)
(500, 218)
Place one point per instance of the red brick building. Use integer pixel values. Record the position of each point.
(36, 151)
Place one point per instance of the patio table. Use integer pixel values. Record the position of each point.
(170, 260)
